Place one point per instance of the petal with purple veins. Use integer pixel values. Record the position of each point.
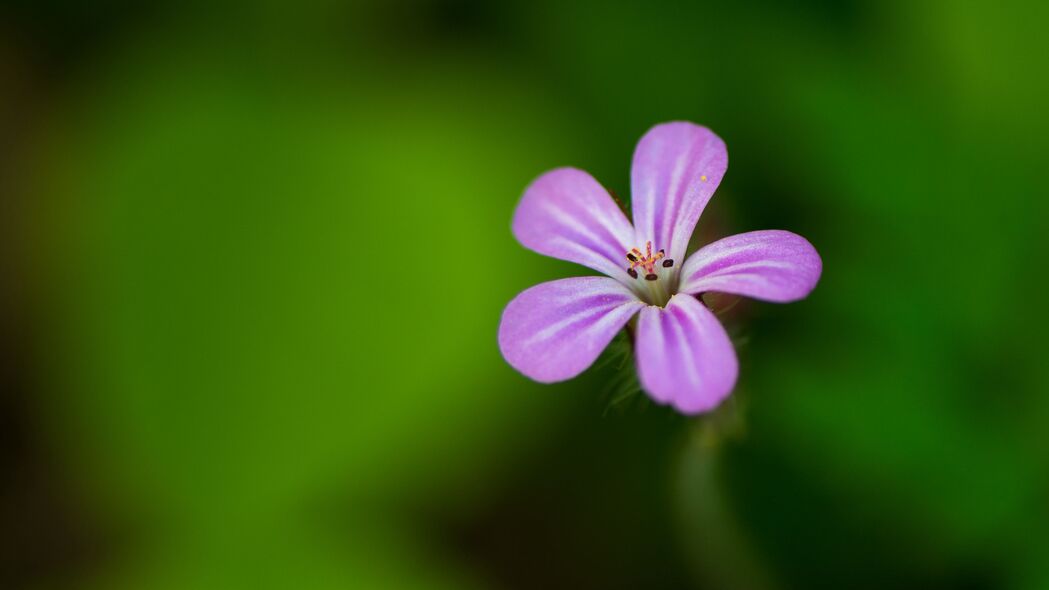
(567, 214)
(772, 265)
(684, 356)
(677, 166)
(554, 331)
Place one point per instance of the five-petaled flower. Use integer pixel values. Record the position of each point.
(555, 330)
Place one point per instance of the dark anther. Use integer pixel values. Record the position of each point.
(663, 252)
(631, 272)
(631, 258)
(650, 277)
(668, 263)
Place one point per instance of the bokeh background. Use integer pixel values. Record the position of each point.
(254, 256)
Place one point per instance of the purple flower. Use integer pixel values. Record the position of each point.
(554, 331)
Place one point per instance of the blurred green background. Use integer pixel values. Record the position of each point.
(254, 256)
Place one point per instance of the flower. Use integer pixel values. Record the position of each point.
(554, 331)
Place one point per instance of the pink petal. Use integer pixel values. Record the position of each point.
(676, 168)
(772, 265)
(555, 330)
(566, 214)
(684, 356)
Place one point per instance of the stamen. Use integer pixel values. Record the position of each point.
(646, 261)
(668, 263)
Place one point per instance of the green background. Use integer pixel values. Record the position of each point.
(255, 255)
